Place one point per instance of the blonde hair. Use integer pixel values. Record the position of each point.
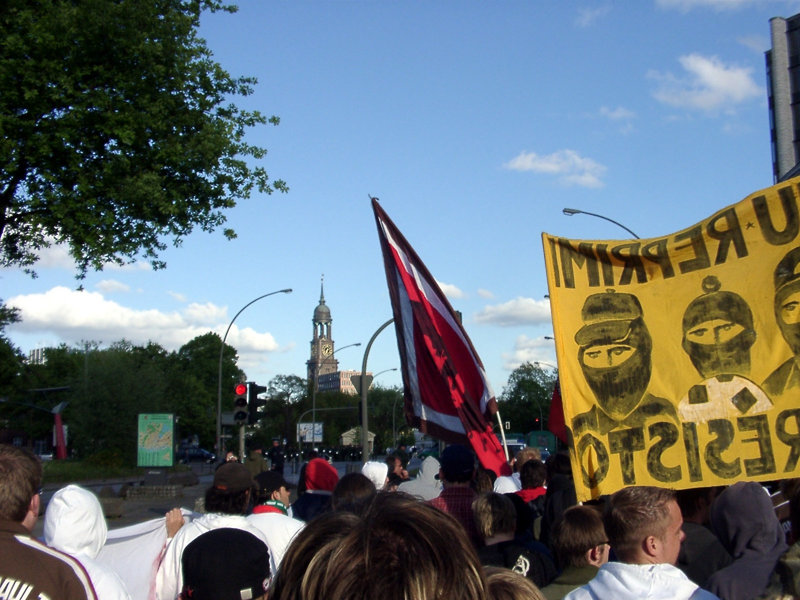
(505, 584)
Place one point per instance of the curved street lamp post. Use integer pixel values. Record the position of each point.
(574, 211)
(221, 350)
(364, 417)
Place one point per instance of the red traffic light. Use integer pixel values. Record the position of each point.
(241, 389)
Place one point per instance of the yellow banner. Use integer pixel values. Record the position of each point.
(679, 356)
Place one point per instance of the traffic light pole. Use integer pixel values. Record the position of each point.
(221, 350)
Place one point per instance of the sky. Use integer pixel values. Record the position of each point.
(475, 123)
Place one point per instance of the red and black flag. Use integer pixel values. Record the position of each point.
(446, 391)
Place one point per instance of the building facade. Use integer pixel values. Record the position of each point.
(783, 96)
(322, 360)
(322, 365)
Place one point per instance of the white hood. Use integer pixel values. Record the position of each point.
(654, 582)
(74, 522)
(429, 470)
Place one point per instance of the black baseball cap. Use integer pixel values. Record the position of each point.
(225, 564)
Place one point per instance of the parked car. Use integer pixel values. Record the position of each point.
(194, 454)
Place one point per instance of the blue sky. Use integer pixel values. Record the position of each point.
(475, 123)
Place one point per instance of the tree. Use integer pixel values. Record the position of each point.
(117, 130)
(526, 398)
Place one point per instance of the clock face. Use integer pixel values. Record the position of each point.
(326, 349)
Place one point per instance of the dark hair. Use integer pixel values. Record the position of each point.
(579, 530)
(226, 503)
(20, 480)
(353, 492)
(494, 513)
(532, 474)
(483, 480)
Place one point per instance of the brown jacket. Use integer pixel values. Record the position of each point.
(30, 570)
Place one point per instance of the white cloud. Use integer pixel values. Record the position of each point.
(56, 256)
(719, 5)
(485, 293)
(176, 296)
(520, 311)
(568, 165)
(72, 316)
(530, 350)
(450, 290)
(708, 85)
(757, 43)
(110, 286)
(617, 114)
(205, 313)
(587, 16)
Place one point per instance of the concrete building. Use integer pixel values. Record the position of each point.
(783, 95)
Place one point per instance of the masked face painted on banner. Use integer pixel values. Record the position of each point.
(787, 311)
(718, 331)
(618, 371)
(614, 353)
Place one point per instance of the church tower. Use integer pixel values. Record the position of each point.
(322, 361)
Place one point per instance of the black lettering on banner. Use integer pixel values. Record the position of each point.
(765, 464)
(790, 212)
(668, 434)
(554, 257)
(692, 447)
(631, 261)
(701, 259)
(723, 430)
(625, 442)
(658, 253)
(790, 439)
(732, 234)
(580, 257)
(605, 264)
(598, 474)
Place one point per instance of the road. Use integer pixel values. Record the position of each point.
(139, 509)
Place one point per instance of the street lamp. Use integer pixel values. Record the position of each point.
(316, 385)
(574, 211)
(364, 417)
(221, 349)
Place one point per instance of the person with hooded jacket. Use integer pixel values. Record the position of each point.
(425, 485)
(74, 524)
(744, 520)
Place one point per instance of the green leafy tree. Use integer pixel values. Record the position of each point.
(122, 381)
(286, 397)
(118, 132)
(194, 382)
(526, 397)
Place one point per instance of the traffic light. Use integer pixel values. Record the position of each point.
(240, 413)
(253, 401)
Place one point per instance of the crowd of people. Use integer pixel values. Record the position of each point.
(454, 531)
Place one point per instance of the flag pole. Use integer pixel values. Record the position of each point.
(502, 435)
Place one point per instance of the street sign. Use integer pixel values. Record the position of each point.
(356, 380)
